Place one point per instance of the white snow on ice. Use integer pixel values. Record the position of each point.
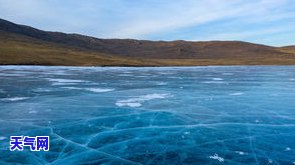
(216, 157)
(14, 99)
(236, 94)
(33, 112)
(240, 152)
(99, 90)
(217, 79)
(56, 81)
(137, 101)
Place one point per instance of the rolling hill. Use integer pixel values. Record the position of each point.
(24, 45)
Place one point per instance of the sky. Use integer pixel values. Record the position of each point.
(270, 22)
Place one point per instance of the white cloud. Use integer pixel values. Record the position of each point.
(193, 13)
(245, 35)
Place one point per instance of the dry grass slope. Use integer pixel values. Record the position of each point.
(23, 45)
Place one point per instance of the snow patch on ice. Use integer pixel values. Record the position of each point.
(161, 83)
(42, 90)
(96, 90)
(236, 94)
(213, 82)
(71, 88)
(14, 99)
(240, 152)
(99, 90)
(257, 121)
(57, 81)
(137, 101)
(227, 74)
(33, 112)
(216, 157)
(217, 79)
(65, 80)
(133, 105)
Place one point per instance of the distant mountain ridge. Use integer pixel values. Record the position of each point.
(24, 45)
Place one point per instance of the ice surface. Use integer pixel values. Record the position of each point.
(169, 115)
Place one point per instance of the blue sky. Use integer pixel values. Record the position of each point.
(270, 22)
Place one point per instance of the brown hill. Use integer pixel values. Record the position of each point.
(25, 45)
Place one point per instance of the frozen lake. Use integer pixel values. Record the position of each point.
(112, 115)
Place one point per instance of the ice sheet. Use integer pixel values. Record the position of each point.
(170, 115)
